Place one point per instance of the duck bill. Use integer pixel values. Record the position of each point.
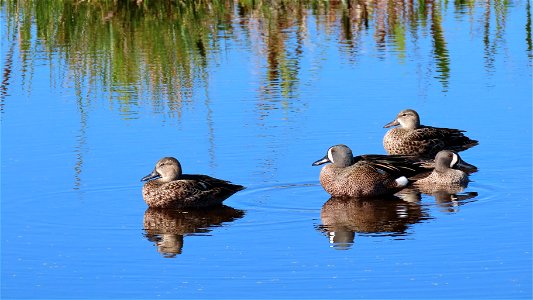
(151, 176)
(390, 124)
(463, 165)
(321, 161)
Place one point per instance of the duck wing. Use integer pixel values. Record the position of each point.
(397, 165)
(209, 183)
(435, 139)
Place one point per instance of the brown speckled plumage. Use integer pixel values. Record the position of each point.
(364, 176)
(168, 188)
(411, 138)
(450, 177)
(358, 180)
(445, 175)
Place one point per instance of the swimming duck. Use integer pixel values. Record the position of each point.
(448, 172)
(167, 187)
(411, 138)
(365, 175)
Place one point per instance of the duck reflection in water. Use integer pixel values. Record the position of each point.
(448, 198)
(343, 217)
(167, 227)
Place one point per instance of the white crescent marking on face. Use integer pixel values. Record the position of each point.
(455, 159)
(330, 155)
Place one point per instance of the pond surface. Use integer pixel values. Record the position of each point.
(93, 94)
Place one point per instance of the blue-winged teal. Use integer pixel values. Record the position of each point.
(411, 138)
(167, 187)
(446, 173)
(365, 175)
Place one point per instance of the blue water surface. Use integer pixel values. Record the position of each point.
(72, 212)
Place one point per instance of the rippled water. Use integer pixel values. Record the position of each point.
(78, 134)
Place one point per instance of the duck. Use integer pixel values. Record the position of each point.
(370, 175)
(167, 187)
(411, 138)
(447, 174)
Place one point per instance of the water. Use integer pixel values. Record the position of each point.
(255, 95)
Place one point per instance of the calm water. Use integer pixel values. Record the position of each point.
(93, 95)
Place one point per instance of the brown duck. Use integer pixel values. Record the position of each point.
(448, 172)
(365, 175)
(167, 187)
(411, 138)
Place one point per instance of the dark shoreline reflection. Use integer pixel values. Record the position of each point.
(342, 218)
(166, 228)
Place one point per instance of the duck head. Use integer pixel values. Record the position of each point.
(166, 169)
(339, 155)
(407, 118)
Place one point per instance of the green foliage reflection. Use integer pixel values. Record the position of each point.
(165, 48)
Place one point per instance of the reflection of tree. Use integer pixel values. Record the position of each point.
(354, 21)
(528, 29)
(128, 50)
(81, 138)
(492, 40)
(439, 46)
(131, 50)
(6, 72)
